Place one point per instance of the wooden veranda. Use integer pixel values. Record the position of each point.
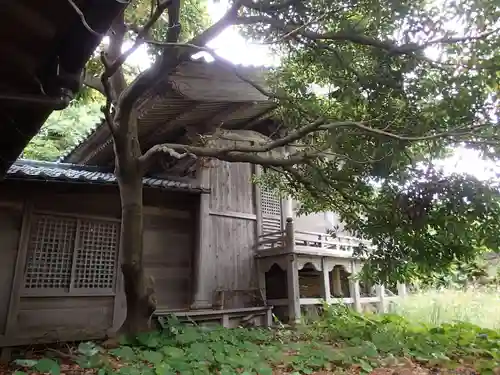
(293, 250)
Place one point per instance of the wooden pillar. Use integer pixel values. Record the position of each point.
(354, 287)
(287, 209)
(402, 290)
(261, 280)
(337, 282)
(326, 280)
(382, 302)
(292, 273)
(204, 270)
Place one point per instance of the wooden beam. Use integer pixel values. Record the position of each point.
(234, 215)
(17, 283)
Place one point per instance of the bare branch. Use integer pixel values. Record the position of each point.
(82, 18)
(169, 61)
(457, 132)
(143, 32)
(93, 82)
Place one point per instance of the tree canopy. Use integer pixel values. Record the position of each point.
(64, 130)
(402, 85)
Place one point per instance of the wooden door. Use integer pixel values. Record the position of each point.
(168, 256)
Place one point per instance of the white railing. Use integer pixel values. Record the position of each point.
(273, 240)
(289, 239)
(328, 241)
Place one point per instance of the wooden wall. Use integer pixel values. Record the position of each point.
(227, 233)
(10, 224)
(33, 315)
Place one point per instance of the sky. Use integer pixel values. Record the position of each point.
(233, 47)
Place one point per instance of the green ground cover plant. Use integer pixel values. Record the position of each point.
(341, 341)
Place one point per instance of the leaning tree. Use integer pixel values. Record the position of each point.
(368, 94)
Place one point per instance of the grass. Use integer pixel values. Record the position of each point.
(341, 342)
(476, 305)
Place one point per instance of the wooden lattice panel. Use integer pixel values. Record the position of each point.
(96, 255)
(271, 204)
(50, 253)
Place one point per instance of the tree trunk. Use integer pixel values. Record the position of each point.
(139, 294)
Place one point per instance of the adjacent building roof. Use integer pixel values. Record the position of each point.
(50, 171)
(199, 95)
(45, 46)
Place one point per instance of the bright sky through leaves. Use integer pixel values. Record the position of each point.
(233, 47)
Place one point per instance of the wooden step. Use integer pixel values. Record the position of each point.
(229, 318)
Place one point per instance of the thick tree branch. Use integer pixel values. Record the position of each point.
(345, 36)
(269, 6)
(169, 61)
(222, 153)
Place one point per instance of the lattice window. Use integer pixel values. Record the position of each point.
(271, 203)
(68, 254)
(96, 255)
(50, 253)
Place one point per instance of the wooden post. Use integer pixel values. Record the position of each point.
(258, 203)
(289, 235)
(337, 282)
(204, 262)
(261, 279)
(287, 209)
(354, 287)
(402, 290)
(382, 304)
(292, 273)
(326, 280)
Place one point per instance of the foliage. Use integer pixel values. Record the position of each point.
(393, 335)
(63, 130)
(478, 271)
(381, 65)
(478, 305)
(194, 19)
(364, 342)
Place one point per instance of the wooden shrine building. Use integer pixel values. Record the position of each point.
(217, 246)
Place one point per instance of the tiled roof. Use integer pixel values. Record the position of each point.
(39, 170)
(175, 104)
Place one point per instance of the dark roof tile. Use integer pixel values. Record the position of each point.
(38, 170)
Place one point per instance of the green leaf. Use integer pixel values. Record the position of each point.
(173, 352)
(124, 352)
(88, 348)
(152, 357)
(26, 362)
(128, 370)
(48, 365)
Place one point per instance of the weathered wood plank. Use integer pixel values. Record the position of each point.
(232, 190)
(11, 223)
(232, 244)
(63, 315)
